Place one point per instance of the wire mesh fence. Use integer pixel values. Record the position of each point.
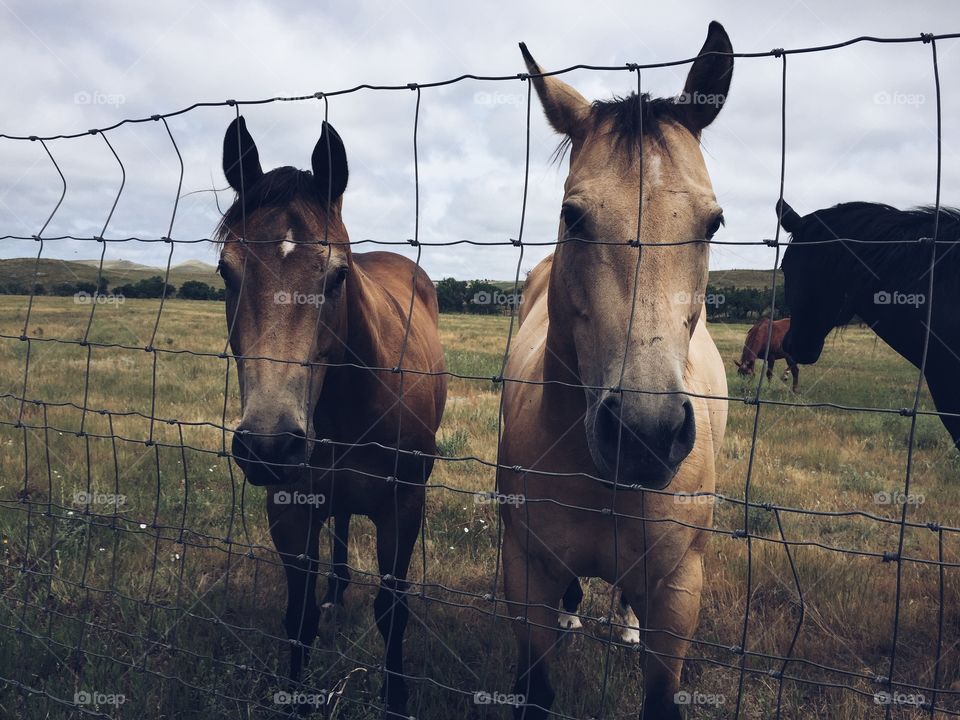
(139, 578)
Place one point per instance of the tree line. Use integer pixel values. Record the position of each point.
(724, 303)
(151, 287)
(479, 297)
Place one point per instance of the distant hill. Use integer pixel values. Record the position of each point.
(117, 272)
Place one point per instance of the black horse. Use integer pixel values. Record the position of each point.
(878, 269)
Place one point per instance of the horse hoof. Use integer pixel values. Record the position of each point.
(569, 622)
(630, 636)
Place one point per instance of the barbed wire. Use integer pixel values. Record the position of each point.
(146, 642)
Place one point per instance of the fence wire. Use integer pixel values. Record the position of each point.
(72, 626)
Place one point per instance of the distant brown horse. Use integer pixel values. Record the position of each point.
(603, 319)
(755, 346)
(317, 329)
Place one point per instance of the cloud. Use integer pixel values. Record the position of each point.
(860, 120)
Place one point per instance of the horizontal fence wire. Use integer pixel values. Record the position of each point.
(71, 624)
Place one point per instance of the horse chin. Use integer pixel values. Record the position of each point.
(805, 353)
(655, 476)
(261, 474)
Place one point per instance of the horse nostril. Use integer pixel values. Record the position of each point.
(608, 419)
(685, 435)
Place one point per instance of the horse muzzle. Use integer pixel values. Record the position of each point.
(270, 457)
(641, 440)
(805, 353)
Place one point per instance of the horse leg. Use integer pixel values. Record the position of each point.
(531, 597)
(340, 578)
(673, 607)
(626, 622)
(397, 531)
(296, 536)
(795, 371)
(769, 365)
(570, 604)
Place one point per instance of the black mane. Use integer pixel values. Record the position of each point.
(631, 119)
(276, 189)
(635, 117)
(892, 232)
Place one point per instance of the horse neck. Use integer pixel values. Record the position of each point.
(904, 333)
(363, 315)
(562, 394)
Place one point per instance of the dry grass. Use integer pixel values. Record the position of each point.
(103, 593)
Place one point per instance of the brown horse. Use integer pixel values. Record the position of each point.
(612, 363)
(755, 346)
(324, 338)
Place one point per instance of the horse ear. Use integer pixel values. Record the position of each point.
(329, 162)
(241, 161)
(736, 362)
(708, 81)
(789, 219)
(565, 108)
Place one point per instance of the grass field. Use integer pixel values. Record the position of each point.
(186, 624)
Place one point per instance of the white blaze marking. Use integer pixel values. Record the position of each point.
(288, 245)
(652, 178)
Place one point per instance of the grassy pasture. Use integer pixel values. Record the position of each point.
(188, 623)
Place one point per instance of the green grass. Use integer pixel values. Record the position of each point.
(150, 600)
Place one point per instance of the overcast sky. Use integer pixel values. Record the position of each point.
(860, 120)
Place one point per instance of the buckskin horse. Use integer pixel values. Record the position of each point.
(755, 346)
(336, 346)
(607, 392)
(868, 260)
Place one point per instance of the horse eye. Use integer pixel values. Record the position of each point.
(573, 216)
(714, 226)
(339, 276)
(224, 272)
